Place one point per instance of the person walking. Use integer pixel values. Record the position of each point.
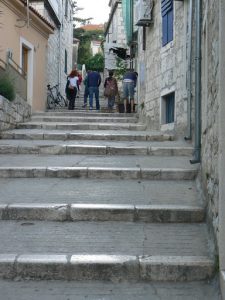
(111, 90)
(93, 83)
(129, 83)
(71, 88)
(86, 90)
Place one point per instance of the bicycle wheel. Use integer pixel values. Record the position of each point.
(50, 102)
(62, 101)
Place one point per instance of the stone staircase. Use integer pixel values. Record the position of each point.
(98, 200)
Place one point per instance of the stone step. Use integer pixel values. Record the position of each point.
(102, 212)
(115, 268)
(84, 113)
(98, 290)
(91, 166)
(83, 119)
(81, 126)
(124, 135)
(94, 147)
(115, 251)
(98, 191)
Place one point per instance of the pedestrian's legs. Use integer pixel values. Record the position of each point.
(125, 105)
(91, 94)
(111, 101)
(86, 93)
(131, 105)
(96, 91)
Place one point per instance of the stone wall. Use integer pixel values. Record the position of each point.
(13, 112)
(210, 107)
(162, 70)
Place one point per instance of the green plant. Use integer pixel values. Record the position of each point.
(7, 88)
(142, 105)
(96, 63)
(120, 69)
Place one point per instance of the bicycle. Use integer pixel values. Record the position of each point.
(55, 98)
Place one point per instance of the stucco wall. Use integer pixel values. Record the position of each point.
(163, 70)
(11, 35)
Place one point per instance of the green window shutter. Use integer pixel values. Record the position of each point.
(127, 7)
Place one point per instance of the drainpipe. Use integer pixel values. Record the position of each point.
(197, 149)
(28, 16)
(60, 44)
(189, 75)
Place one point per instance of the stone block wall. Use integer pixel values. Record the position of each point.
(13, 112)
(210, 109)
(162, 70)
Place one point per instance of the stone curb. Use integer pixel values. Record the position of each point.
(96, 150)
(82, 126)
(86, 136)
(87, 119)
(98, 173)
(85, 113)
(102, 212)
(114, 268)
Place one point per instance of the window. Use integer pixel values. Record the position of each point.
(65, 67)
(168, 107)
(167, 21)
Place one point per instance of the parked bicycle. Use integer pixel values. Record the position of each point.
(55, 98)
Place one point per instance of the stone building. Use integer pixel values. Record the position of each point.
(60, 44)
(115, 39)
(177, 47)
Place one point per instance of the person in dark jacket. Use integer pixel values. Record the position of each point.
(93, 83)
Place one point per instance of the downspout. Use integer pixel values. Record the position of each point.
(197, 149)
(28, 14)
(189, 75)
(60, 43)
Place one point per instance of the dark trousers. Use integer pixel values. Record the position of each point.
(72, 93)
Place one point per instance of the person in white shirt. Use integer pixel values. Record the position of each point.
(71, 88)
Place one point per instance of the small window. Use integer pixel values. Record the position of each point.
(167, 21)
(65, 67)
(168, 108)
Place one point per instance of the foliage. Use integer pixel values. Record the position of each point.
(84, 51)
(7, 88)
(120, 68)
(96, 63)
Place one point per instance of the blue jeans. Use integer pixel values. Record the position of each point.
(93, 90)
(111, 101)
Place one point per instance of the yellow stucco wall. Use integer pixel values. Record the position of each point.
(36, 38)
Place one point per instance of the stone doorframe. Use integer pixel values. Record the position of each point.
(222, 146)
(30, 71)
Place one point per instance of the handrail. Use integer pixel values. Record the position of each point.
(16, 67)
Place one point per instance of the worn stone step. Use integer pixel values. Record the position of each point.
(102, 212)
(115, 268)
(98, 191)
(125, 251)
(123, 135)
(84, 119)
(81, 126)
(96, 290)
(94, 147)
(84, 112)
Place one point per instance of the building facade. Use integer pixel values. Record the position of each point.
(24, 37)
(177, 48)
(60, 44)
(115, 38)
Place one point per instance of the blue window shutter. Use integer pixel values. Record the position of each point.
(167, 21)
(164, 30)
(170, 26)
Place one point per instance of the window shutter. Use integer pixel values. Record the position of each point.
(164, 30)
(166, 6)
(170, 26)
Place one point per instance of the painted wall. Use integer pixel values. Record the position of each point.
(12, 37)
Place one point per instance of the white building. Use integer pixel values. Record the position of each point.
(115, 39)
